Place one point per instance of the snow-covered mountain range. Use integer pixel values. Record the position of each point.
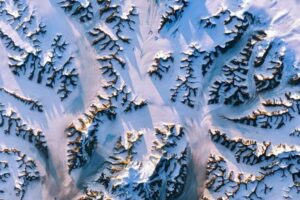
(149, 99)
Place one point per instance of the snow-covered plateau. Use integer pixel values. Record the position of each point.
(149, 99)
